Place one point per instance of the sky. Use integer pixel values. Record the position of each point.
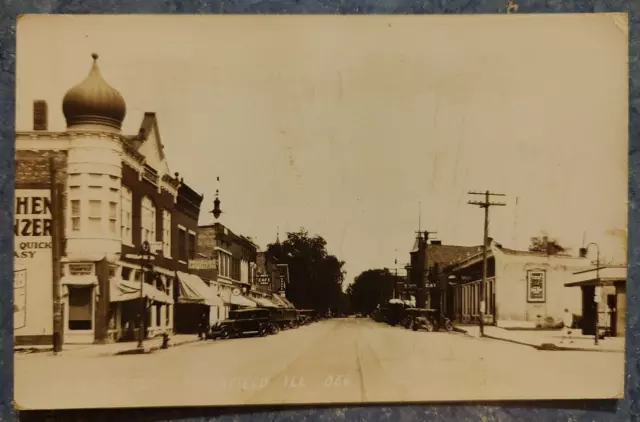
(363, 129)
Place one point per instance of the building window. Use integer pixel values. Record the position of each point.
(126, 273)
(182, 244)
(224, 264)
(148, 220)
(126, 215)
(192, 245)
(75, 215)
(166, 233)
(95, 216)
(113, 216)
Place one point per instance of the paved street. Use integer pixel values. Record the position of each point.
(340, 360)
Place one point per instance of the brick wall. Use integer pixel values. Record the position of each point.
(33, 167)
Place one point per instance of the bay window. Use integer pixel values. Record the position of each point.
(148, 220)
(126, 215)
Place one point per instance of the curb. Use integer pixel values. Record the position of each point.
(550, 347)
(147, 350)
(31, 350)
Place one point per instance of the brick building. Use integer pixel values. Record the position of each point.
(237, 267)
(112, 192)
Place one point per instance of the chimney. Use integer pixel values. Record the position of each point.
(40, 113)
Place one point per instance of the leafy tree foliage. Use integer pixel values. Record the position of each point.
(315, 276)
(545, 245)
(370, 288)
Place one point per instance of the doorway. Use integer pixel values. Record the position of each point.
(79, 327)
(612, 307)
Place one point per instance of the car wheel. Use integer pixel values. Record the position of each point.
(448, 326)
(428, 326)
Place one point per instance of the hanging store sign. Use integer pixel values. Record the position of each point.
(536, 286)
(263, 279)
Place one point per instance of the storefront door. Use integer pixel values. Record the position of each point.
(79, 324)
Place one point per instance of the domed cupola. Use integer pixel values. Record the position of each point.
(94, 102)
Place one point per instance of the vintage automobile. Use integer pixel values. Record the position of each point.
(395, 311)
(242, 323)
(284, 318)
(305, 316)
(426, 319)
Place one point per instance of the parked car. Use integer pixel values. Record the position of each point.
(426, 319)
(242, 323)
(284, 318)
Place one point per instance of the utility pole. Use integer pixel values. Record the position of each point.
(57, 220)
(485, 204)
(395, 280)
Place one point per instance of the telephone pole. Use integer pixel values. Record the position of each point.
(485, 204)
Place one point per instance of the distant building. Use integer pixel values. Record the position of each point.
(524, 289)
(428, 260)
(237, 268)
(80, 248)
(608, 286)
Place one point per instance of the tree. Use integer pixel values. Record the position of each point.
(315, 275)
(545, 245)
(370, 288)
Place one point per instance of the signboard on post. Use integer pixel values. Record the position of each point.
(536, 286)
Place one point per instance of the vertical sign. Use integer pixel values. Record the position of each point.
(536, 291)
(33, 262)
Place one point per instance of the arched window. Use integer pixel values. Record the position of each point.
(148, 220)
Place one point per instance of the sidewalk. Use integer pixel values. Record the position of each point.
(548, 339)
(111, 349)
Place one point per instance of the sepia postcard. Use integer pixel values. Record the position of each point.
(249, 210)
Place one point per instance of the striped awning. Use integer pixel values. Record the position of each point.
(123, 290)
(194, 290)
(243, 301)
(264, 302)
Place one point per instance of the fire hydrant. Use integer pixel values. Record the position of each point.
(165, 341)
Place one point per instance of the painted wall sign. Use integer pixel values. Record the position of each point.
(19, 297)
(33, 261)
(536, 286)
(203, 264)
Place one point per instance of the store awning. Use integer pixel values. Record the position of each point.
(194, 290)
(283, 301)
(604, 276)
(240, 300)
(264, 302)
(79, 280)
(278, 301)
(123, 290)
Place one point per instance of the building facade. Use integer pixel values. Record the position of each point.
(428, 285)
(603, 296)
(108, 193)
(523, 289)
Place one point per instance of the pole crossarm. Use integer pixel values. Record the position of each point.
(485, 204)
